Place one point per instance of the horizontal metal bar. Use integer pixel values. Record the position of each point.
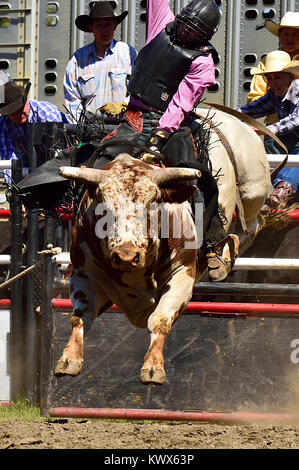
(5, 164)
(5, 259)
(4, 213)
(20, 78)
(242, 288)
(220, 288)
(241, 264)
(16, 44)
(275, 159)
(253, 264)
(4, 11)
(215, 308)
(234, 417)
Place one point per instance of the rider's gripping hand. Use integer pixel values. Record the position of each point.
(156, 143)
(158, 140)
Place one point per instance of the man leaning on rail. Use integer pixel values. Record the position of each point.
(281, 74)
(17, 111)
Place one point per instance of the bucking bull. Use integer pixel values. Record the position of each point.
(150, 277)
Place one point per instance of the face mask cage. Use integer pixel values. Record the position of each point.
(187, 32)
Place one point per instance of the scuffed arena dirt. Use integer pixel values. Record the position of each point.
(85, 434)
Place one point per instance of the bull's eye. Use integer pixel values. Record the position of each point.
(136, 258)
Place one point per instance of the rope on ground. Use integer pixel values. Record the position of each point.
(49, 251)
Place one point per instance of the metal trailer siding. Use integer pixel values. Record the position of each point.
(31, 49)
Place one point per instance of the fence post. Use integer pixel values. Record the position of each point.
(17, 317)
(32, 242)
(47, 330)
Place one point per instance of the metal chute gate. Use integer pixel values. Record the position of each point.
(233, 356)
(236, 358)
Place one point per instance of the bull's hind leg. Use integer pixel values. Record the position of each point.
(174, 300)
(86, 307)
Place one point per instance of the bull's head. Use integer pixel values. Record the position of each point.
(138, 184)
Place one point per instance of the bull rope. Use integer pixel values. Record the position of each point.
(49, 251)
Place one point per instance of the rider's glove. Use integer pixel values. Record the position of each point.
(157, 141)
(113, 110)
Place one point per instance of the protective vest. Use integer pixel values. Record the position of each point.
(159, 69)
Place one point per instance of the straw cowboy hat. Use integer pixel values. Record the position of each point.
(289, 20)
(100, 10)
(278, 61)
(12, 97)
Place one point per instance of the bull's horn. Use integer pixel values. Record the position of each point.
(174, 175)
(85, 175)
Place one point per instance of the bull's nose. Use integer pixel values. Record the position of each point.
(116, 259)
(125, 259)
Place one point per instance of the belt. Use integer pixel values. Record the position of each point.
(137, 104)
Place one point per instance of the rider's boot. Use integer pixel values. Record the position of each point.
(217, 270)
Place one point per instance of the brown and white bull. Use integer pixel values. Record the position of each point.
(148, 276)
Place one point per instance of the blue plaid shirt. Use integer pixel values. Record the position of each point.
(287, 109)
(94, 81)
(14, 139)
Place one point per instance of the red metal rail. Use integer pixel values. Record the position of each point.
(207, 416)
(213, 307)
(221, 308)
(4, 303)
(5, 213)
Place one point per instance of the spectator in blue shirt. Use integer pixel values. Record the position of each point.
(282, 98)
(16, 112)
(96, 75)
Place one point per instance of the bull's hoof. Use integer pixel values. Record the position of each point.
(152, 376)
(67, 367)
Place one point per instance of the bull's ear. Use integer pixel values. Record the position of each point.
(180, 193)
(89, 176)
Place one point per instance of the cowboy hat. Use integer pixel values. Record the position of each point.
(99, 10)
(289, 20)
(12, 97)
(278, 61)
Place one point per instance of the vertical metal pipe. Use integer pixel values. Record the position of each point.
(47, 328)
(233, 52)
(77, 36)
(17, 347)
(287, 5)
(131, 24)
(31, 257)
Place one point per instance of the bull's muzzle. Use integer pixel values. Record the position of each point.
(127, 258)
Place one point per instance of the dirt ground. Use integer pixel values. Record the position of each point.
(101, 434)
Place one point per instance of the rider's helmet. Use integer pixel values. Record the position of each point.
(197, 22)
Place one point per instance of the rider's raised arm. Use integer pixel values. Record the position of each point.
(159, 15)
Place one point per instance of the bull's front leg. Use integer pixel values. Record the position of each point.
(87, 305)
(172, 303)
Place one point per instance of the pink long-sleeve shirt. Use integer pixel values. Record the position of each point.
(201, 73)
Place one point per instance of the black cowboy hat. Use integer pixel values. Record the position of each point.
(99, 10)
(12, 96)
